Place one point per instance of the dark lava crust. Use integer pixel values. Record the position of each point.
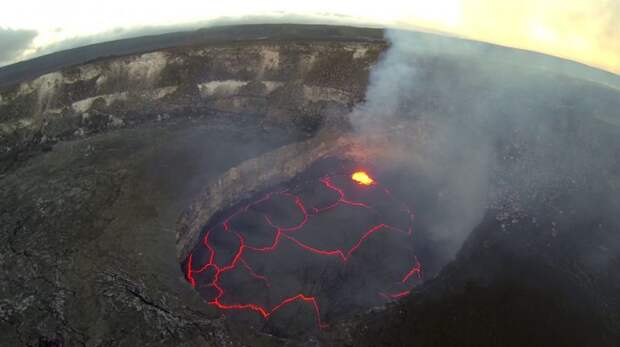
(342, 245)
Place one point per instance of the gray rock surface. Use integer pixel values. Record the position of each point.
(88, 235)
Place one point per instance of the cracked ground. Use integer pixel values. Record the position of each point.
(87, 230)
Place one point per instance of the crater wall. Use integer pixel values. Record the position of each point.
(296, 84)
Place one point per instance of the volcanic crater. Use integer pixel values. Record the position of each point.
(334, 239)
(228, 187)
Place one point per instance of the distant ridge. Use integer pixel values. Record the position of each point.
(30, 69)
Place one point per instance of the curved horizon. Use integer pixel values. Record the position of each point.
(582, 31)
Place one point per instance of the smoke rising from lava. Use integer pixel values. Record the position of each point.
(481, 140)
(466, 117)
(455, 161)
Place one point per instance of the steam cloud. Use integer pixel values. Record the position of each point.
(459, 163)
(13, 43)
(497, 134)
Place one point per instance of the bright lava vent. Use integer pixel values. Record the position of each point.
(362, 178)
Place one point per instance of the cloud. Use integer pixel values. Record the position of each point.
(583, 30)
(610, 29)
(13, 43)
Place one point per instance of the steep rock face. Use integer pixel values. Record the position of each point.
(293, 83)
(253, 176)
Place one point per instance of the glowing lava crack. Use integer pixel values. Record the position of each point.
(205, 270)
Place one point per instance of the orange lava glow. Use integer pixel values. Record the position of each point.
(362, 177)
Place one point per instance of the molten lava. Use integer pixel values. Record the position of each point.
(210, 270)
(362, 178)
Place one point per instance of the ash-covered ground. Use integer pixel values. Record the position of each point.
(508, 159)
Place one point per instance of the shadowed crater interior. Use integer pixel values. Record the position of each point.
(331, 241)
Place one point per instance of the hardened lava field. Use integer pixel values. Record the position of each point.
(307, 252)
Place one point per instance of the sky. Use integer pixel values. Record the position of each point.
(587, 31)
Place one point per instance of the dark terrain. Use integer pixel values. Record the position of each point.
(106, 166)
(111, 257)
